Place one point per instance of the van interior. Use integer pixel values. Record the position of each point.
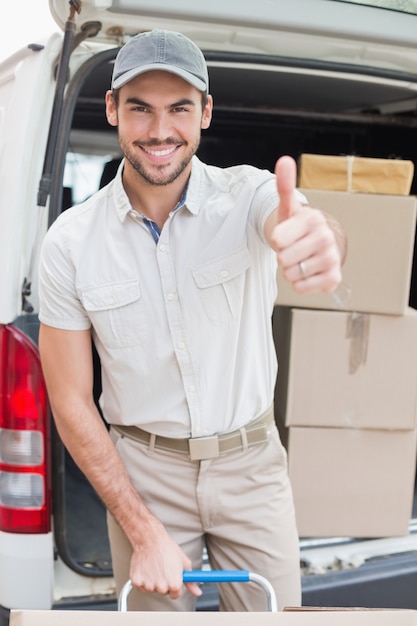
(264, 107)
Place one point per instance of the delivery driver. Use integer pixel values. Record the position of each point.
(171, 269)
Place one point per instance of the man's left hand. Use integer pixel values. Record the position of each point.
(310, 244)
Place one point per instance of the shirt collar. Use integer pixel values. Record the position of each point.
(190, 198)
(194, 190)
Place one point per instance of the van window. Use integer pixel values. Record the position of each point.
(82, 174)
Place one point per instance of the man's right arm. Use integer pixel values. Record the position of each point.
(66, 355)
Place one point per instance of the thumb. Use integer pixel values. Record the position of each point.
(194, 589)
(286, 175)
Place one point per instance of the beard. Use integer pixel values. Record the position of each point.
(158, 175)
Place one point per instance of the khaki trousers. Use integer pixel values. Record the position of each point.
(239, 505)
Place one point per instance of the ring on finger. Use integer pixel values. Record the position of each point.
(303, 269)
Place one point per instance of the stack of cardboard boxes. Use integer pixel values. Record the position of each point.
(346, 396)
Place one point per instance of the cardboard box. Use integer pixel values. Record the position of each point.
(356, 174)
(346, 370)
(296, 618)
(377, 272)
(352, 482)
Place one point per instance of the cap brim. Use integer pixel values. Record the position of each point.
(190, 78)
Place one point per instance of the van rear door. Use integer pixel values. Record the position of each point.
(354, 33)
(26, 96)
(26, 544)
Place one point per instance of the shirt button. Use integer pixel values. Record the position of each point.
(170, 296)
(162, 247)
(224, 273)
(181, 345)
(191, 388)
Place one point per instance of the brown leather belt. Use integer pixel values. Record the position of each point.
(201, 448)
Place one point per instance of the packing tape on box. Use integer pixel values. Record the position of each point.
(350, 159)
(352, 173)
(357, 330)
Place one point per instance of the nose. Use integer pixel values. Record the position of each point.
(160, 125)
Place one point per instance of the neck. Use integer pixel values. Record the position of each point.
(153, 201)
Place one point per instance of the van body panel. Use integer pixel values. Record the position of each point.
(69, 584)
(26, 570)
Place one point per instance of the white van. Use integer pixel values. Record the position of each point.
(324, 76)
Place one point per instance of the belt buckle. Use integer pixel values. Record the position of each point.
(202, 448)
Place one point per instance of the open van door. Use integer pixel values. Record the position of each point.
(373, 34)
(26, 542)
(26, 96)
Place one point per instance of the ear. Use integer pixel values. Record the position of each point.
(111, 109)
(207, 113)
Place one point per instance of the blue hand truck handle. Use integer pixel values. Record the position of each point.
(214, 576)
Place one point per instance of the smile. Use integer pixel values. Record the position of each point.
(160, 153)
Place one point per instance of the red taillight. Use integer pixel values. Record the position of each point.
(24, 436)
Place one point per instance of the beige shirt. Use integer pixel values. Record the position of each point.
(182, 327)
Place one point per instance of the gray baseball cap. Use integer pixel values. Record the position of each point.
(161, 50)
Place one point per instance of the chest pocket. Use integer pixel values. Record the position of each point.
(117, 313)
(221, 284)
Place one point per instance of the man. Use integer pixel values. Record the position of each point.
(171, 268)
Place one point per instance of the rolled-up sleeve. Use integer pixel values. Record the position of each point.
(59, 304)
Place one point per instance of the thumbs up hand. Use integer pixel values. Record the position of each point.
(310, 244)
(286, 175)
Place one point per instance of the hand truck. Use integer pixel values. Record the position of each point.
(214, 576)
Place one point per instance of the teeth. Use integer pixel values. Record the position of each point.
(159, 153)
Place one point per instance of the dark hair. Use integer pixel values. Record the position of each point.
(115, 96)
